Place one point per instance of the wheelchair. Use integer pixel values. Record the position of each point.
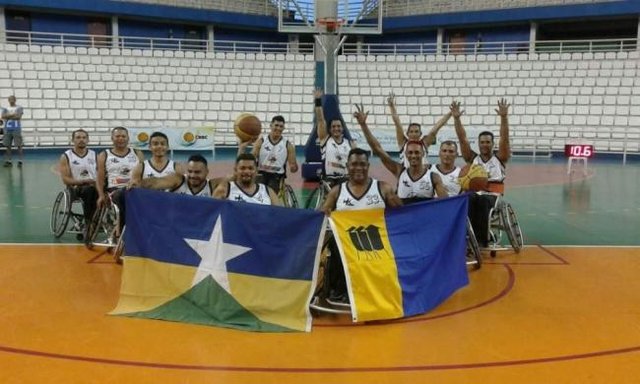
(321, 301)
(287, 195)
(103, 228)
(503, 222)
(67, 213)
(317, 197)
(474, 254)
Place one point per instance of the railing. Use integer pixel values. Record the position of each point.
(152, 43)
(471, 48)
(504, 47)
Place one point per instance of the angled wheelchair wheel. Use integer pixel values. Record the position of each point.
(60, 213)
(315, 199)
(118, 251)
(512, 227)
(474, 256)
(93, 227)
(289, 197)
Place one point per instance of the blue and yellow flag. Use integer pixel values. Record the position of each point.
(213, 262)
(405, 261)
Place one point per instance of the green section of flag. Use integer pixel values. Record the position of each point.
(208, 303)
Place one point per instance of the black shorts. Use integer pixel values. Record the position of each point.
(271, 180)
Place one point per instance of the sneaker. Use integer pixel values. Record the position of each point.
(7, 164)
(20, 164)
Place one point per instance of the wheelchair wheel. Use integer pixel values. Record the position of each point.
(60, 213)
(315, 199)
(118, 251)
(289, 197)
(474, 256)
(110, 224)
(93, 227)
(512, 227)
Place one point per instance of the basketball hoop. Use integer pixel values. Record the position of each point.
(329, 24)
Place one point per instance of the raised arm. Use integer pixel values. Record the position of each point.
(400, 138)
(465, 147)
(291, 158)
(243, 145)
(256, 147)
(320, 122)
(389, 163)
(504, 146)
(430, 138)
(169, 182)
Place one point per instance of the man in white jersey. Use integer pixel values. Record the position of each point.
(493, 163)
(12, 116)
(414, 132)
(334, 147)
(358, 192)
(115, 167)
(244, 187)
(159, 164)
(274, 153)
(416, 182)
(194, 182)
(446, 167)
(78, 172)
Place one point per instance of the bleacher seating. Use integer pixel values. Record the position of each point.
(554, 97)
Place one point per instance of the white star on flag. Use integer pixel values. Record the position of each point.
(214, 254)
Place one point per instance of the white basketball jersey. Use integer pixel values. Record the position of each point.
(82, 167)
(371, 199)
(422, 187)
(119, 168)
(493, 166)
(272, 157)
(260, 196)
(185, 189)
(148, 170)
(449, 179)
(335, 156)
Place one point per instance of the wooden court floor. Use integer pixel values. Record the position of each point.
(565, 310)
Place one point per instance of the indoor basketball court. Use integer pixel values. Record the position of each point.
(563, 310)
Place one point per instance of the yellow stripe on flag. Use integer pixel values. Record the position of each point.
(277, 301)
(372, 275)
(147, 284)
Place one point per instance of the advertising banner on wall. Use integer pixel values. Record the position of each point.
(180, 139)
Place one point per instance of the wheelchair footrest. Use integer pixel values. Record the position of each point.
(325, 306)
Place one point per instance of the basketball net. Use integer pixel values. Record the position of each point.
(329, 25)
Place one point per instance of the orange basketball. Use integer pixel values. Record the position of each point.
(478, 184)
(473, 178)
(247, 127)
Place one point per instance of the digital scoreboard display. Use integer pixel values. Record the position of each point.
(578, 150)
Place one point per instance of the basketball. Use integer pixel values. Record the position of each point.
(473, 178)
(247, 127)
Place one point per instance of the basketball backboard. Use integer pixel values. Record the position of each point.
(352, 16)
